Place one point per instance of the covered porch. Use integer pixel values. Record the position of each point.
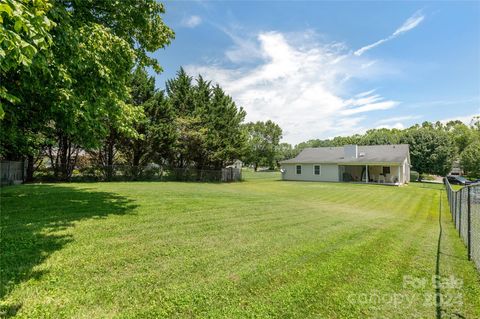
(371, 173)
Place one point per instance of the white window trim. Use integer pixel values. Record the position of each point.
(296, 169)
(320, 169)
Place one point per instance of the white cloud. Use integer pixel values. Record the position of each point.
(362, 94)
(362, 50)
(408, 25)
(467, 119)
(297, 82)
(411, 23)
(191, 21)
(385, 105)
(437, 103)
(398, 119)
(397, 125)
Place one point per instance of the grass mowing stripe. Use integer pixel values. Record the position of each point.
(260, 248)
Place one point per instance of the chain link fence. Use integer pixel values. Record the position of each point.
(143, 173)
(465, 209)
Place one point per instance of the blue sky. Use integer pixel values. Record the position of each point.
(322, 69)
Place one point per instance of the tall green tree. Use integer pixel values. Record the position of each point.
(381, 137)
(284, 151)
(24, 32)
(431, 150)
(90, 103)
(263, 142)
(161, 131)
(190, 137)
(156, 129)
(85, 85)
(470, 159)
(312, 143)
(208, 123)
(461, 134)
(225, 138)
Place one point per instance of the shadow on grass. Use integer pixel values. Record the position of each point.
(31, 220)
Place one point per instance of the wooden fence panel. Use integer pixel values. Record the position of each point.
(231, 174)
(12, 172)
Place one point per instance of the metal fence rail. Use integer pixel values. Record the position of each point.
(465, 209)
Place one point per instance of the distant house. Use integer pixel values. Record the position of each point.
(236, 164)
(456, 169)
(386, 164)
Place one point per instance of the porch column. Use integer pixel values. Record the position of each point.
(399, 175)
(366, 173)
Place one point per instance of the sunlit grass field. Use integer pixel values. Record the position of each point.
(261, 248)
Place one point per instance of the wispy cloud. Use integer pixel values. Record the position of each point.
(397, 125)
(299, 82)
(411, 23)
(362, 94)
(191, 21)
(475, 100)
(408, 25)
(467, 119)
(398, 119)
(368, 107)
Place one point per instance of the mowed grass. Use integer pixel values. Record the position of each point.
(262, 248)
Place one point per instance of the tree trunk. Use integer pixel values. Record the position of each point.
(137, 155)
(63, 156)
(65, 159)
(136, 159)
(110, 154)
(30, 169)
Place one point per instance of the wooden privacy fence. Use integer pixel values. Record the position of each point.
(12, 172)
(231, 174)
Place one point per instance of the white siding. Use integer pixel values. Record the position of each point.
(406, 171)
(328, 173)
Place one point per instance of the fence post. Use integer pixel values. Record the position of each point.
(8, 173)
(449, 193)
(460, 213)
(454, 210)
(469, 224)
(451, 203)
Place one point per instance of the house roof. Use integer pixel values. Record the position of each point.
(396, 153)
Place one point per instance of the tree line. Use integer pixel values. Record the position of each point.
(434, 147)
(74, 89)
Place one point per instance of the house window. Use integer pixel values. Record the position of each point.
(299, 169)
(386, 170)
(316, 169)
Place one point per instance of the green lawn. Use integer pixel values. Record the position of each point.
(260, 248)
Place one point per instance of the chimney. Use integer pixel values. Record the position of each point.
(350, 151)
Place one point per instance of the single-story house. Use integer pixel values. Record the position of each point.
(386, 164)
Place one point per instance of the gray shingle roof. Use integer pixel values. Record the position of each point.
(371, 154)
